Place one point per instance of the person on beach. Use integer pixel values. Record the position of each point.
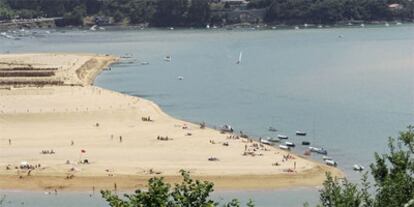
(9, 141)
(120, 138)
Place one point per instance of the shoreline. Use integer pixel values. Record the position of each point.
(72, 111)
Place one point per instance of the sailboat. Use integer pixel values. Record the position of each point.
(240, 58)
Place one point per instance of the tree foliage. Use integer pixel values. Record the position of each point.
(188, 193)
(393, 175)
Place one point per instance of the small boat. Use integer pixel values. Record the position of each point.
(318, 150)
(331, 163)
(320, 26)
(296, 27)
(266, 142)
(180, 78)
(171, 28)
(227, 128)
(93, 28)
(362, 25)
(281, 136)
(305, 143)
(207, 26)
(144, 63)
(290, 144)
(398, 23)
(272, 139)
(300, 133)
(284, 147)
(271, 129)
(240, 58)
(326, 158)
(358, 167)
(386, 24)
(167, 58)
(274, 27)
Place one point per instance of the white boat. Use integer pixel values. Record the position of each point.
(284, 147)
(318, 150)
(331, 163)
(300, 133)
(180, 78)
(93, 28)
(358, 167)
(265, 141)
(144, 63)
(326, 158)
(386, 24)
(240, 58)
(281, 136)
(290, 144)
(207, 26)
(167, 58)
(320, 26)
(398, 23)
(227, 128)
(273, 27)
(362, 25)
(272, 139)
(296, 27)
(171, 28)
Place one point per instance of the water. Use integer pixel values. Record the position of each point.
(349, 88)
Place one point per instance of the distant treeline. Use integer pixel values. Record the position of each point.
(194, 13)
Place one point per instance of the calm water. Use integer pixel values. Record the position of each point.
(349, 88)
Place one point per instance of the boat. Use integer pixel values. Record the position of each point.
(207, 26)
(296, 27)
(284, 147)
(320, 26)
(358, 167)
(227, 128)
(386, 24)
(144, 63)
(318, 150)
(265, 141)
(290, 144)
(272, 139)
(305, 143)
(180, 78)
(331, 163)
(167, 58)
(271, 129)
(240, 58)
(362, 25)
(281, 136)
(300, 133)
(326, 158)
(93, 28)
(398, 23)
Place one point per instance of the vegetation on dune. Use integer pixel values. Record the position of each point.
(199, 12)
(393, 175)
(189, 193)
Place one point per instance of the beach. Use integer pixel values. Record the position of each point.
(76, 136)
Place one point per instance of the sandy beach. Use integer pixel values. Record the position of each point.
(75, 136)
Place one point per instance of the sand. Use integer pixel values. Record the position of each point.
(79, 121)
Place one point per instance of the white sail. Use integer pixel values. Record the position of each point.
(240, 58)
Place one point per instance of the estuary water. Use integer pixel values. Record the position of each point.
(348, 88)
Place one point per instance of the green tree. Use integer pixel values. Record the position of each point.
(170, 13)
(393, 175)
(188, 193)
(198, 13)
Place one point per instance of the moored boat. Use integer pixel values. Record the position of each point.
(358, 167)
(305, 143)
(281, 136)
(300, 133)
(266, 142)
(331, 163)
(290, 144)
(272, 139)
(227, 128)
(284, 147)
(318, 150)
